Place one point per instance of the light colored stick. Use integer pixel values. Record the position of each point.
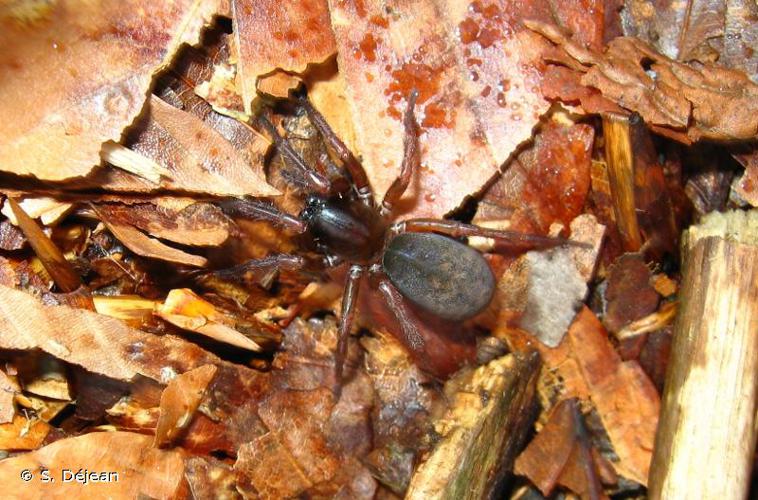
(705, 443)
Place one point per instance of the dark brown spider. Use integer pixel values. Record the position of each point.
(416, 259)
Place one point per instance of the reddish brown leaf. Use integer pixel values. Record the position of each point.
(98, 343)
(283, 34)
(179, 402)
(590, 369)
(185, 309)
(141, 470)
(710, 103)
(146, 246)
(76, 73)
(265, 468)
(747, 185)
(561, 454)
(478, 76)
(8, 388)
(546, 183)
(22, 433)
(629, 295)
(181, 220)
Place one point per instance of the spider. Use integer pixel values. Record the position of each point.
(418, 260)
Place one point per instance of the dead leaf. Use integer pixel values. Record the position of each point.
(185, 309)
(101, 457)
(23, 433)
(98, 343)
(478, 74)
(210, 478)
(8, 389)
(547, 182)
(76, 74)
(698, 30)
(146, 246)
(710, 103)
(590, 369)
(265, 468)
(629, 294)
(283, 34)
(747, 185)
(562, 454)
(183, 221)
(179, 403)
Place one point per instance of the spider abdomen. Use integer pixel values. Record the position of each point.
(439, 274)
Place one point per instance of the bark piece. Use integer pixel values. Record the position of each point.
(76, 74)
(706, 438)
(481, 432)
(142, 470)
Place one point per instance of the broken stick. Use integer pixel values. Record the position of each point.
(705, 442)
(490, 417)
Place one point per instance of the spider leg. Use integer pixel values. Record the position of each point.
(354, 167)
(511, 239)
(315, 180)
(260, 210)
(411, 336)
(410, 159)
(349, 299)
(261, 270)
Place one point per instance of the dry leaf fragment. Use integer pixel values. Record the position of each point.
(98, 343)
(562, 454)
(710, 103)
(179, 402)
(118, 465)
(265, 468)
(183, 221)
(185, 309)
(629, 295)
(478, 81)
(547, 182)
(146, 246)
(283, 34)
(747, 185)
(199, 158)
(8, 389)
(23, 433)
(76, 75)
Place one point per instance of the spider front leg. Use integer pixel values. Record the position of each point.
(512, 239)
(261, 271)
(354, 167)
(313, 179)
(410, 159)
(349, 299)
